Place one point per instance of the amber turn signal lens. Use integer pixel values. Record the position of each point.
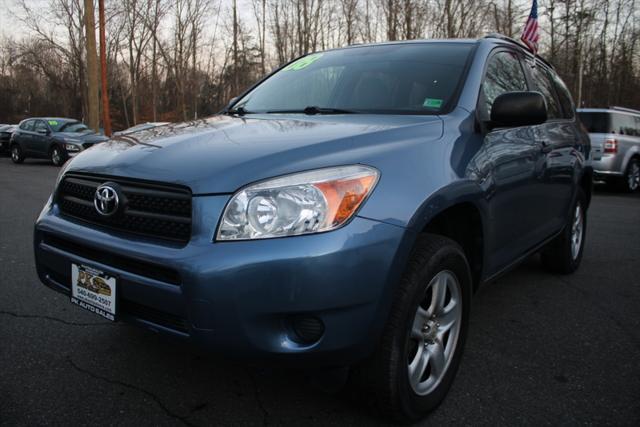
(345, 196)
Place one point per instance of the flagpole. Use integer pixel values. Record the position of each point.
(530, 35)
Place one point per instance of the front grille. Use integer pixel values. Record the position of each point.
(87, 145)
(154, 210)
(141, 268)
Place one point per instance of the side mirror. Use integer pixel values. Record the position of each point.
(514, 109)
(231, 101)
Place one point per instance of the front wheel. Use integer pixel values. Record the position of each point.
(419, 354)
(57, 156)
(16, 154)
(564, 254)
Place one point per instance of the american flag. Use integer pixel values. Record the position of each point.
(531, 35)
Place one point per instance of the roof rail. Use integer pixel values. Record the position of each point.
(628, 110)
(505, 38)
(519, 44)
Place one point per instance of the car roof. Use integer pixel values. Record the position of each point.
(414, 41)
(59, 119)
(493, 38)
(608, 110)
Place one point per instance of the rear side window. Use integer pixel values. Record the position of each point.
(624, 124)
(504, 74)
(564, 97)
(620, 124)
(544, 85)
(28, 125)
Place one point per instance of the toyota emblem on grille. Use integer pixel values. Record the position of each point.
(106, 200)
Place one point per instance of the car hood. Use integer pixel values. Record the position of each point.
(221, 154)
(84, 137)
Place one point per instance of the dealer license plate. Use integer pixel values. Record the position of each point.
(93, 290)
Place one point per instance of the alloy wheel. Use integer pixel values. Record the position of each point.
(56, 158)
(633, 180)
(577, 231)
(15, 154)
(434, 333)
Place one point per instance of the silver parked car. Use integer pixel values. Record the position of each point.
(615, 133)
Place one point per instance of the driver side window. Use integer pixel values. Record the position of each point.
(40, 126)
(504, 74)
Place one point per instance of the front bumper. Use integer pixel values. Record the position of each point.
(238, 298)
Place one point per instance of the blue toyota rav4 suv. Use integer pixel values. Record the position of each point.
(341, 212)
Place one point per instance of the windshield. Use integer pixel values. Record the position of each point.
(413, 78)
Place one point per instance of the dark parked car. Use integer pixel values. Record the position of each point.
(341, 212)
(51, 138)
(5, 137)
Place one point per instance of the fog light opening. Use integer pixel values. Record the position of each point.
(306, 329)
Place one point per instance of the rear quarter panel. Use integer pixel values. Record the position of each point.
(628, 146)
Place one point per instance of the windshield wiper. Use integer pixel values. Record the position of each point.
(313, 110)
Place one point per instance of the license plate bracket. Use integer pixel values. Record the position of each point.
(94, 290)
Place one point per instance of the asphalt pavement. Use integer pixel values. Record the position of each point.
(542, 349)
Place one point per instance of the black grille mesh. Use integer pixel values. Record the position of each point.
(154, 210)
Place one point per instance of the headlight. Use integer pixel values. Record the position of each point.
(71, 147)
(302, 203)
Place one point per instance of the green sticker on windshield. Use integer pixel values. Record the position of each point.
(432, 103)
(53, 122)
(303, 62)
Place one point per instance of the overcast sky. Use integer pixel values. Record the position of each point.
(10, 7)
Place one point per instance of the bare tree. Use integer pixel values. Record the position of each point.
(173, 52)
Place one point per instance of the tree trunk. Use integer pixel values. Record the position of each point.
(236, 72)
(263, 46)
(106, 114)
(154, 64)
(93, 102)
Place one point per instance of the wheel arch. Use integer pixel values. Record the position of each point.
(53, 144)
(586, 184)
(632, 153)
(460, 213)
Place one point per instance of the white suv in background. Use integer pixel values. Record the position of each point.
(614, 132)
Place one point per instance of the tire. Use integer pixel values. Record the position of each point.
(631, 181)
(414, 339)
(16, 154)
(564, 254)
(57, 156)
